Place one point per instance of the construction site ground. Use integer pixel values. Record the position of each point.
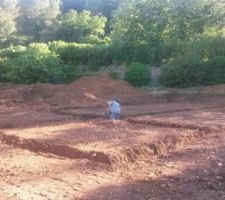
(56, 142)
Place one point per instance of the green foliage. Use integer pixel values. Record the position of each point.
(12, 52)
(54, 63)
(8, 13)
(38, 19)
(214, 71)
(104, 7)
(137, 74)
(191, 63)
(115, 75)
(188, 37)
(190, 71)
(8, 54)
(184, 71)
(93, 56)
(81, 27)
(144, 30)
(35, 64)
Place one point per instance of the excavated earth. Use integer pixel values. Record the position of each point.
(56, 142)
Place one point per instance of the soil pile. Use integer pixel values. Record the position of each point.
(95, 90)
(102, 86)
(87, 91)
(27, 94)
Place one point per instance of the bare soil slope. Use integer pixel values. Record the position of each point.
(86, 91)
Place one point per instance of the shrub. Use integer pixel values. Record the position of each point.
(182, 72)
(115, 75)
(137, 74)
(36, 64)
(93, 56)
(214, 71)
(190, 71)
(197, 62)
(12, 52)
(5, 55)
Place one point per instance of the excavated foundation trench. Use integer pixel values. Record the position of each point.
(128, 154)
(74, 112)
(57, 149)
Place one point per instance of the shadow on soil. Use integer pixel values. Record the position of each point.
(177, 189)
(203, 180)
(129, 154)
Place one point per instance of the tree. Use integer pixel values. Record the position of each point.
(8, 13)
(190, 18)
(138, 28)
(143, 29)
(105, 8)
(38, 18)
(78, 5)
(81, 27)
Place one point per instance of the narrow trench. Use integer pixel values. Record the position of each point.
(129, 154)
(56, 149)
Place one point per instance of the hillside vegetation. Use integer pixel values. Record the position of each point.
(57, 43)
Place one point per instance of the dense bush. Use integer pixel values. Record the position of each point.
(8, 53)
(196, 62)
(137, 74)
(93, 56)
(54, 63)
(115, 75)
(184, 71)
(36, 64)
(12, 52)
(214, 71)
(190, 71)
(193, 62)
(80, 27)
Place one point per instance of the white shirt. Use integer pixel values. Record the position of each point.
(114, 107)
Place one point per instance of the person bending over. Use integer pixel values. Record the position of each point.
(114, 109)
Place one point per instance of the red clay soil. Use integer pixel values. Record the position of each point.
(102, 141)
(57, 143)
(191, 172)
(87, 91)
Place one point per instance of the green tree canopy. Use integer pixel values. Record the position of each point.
(38, 18)
(143, 28)
(81, 27)
(9, 11)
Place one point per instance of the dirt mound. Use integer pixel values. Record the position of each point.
(97, 90)
(29, 94)
(102, 86)
(87, 91)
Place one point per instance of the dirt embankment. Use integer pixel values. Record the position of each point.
(87, 91)
(94, 91)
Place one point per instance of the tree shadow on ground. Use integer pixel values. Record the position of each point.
(160, 190)
(202, 178)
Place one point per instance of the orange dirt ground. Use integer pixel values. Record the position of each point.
(56, 142)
